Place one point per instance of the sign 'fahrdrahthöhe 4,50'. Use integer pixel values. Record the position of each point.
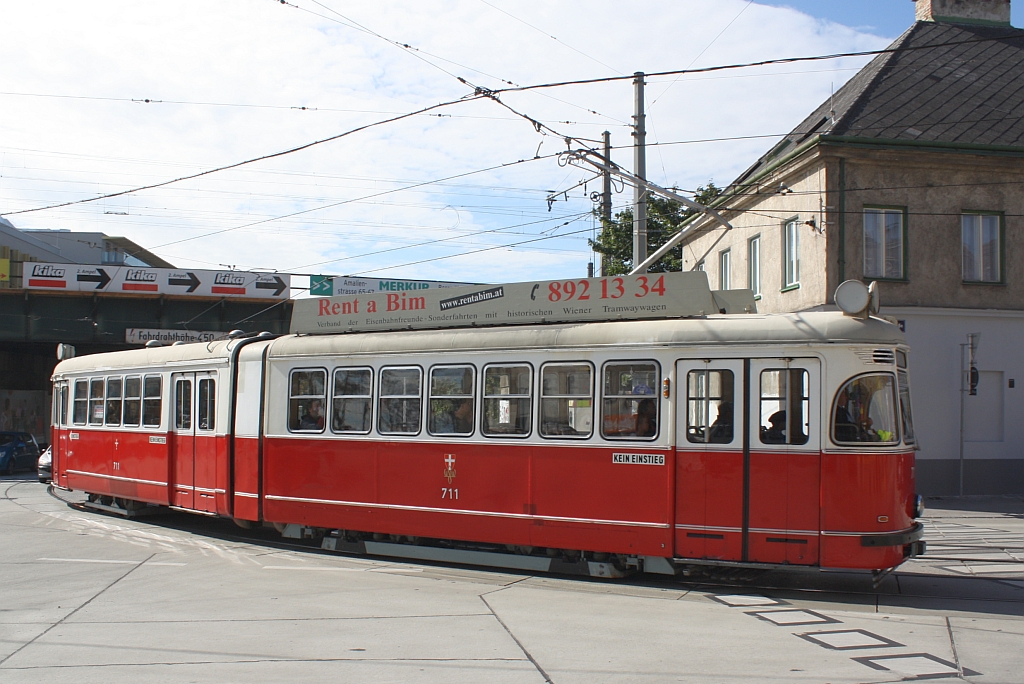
(654, 295)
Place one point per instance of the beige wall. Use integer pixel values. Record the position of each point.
(934, 187)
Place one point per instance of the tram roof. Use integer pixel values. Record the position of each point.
(721, 330)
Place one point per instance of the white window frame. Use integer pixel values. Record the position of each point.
(977, 219)
(754, 265)
(879, 269)
(791, 254)
(725, 269)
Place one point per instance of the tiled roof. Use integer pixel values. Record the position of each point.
(947, 83)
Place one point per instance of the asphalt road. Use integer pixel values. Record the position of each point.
(87, 597)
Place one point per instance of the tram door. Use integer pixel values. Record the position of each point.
(183, 437)
(59, 433)
(194, 452)
(709, 459)
(785, 461)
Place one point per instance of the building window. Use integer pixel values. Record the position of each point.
(754, 265)
(699, 266)
(883, 243)
(791, 254)
(725, 270)
(982, 246)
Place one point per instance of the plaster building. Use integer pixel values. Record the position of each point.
(911, 175)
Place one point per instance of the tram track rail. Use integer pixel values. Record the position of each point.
(261, 537)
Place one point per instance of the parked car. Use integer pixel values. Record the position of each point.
(45, 466)
(18, 451)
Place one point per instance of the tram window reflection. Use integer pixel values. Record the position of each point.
(306, 398)
(399, 411)
(132, 401)
(451, 404)
(113, 415)
(353, 400)
(80, 411)
(907, 417)
(784, 406)
(183, 405)
(865, 411)
(709, 406)
(207, 403)
(96, 401)
(508, 393)
(567, 400)
(631, 407)
(151, 400)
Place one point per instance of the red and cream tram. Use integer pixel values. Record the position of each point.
(760, 440)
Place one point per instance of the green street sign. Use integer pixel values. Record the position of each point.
(321, 286)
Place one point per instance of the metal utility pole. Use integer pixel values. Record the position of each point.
(640, 170)
(968, 376)
(606, 195)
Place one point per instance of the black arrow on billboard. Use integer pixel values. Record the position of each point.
(277, 286)
(101, 278)
(191, 282)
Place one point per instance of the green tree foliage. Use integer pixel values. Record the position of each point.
(664, 219)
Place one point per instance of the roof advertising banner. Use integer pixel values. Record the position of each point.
(654, 295)
(122, 279)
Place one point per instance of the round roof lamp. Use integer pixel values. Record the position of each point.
(853, 297)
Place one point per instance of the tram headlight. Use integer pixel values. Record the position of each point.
(918, 506)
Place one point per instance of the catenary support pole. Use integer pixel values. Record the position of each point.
(640, 169)
(606, 195)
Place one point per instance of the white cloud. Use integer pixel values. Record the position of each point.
(265, 53)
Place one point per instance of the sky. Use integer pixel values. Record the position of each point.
(113, 95)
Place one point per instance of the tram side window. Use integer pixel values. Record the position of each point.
(353, 399)
(508, 393)
(451, 403)
(903, 380)
(132, 401)
(567, 400)
(306, 398)
(785, 406)
(865, 411)
(183, 405)
(399, 411)
(207, 403)
(151, 398)
(630, 400)
(114, 387)
(96, 401)
(710, 401)
(62, 410)
(81, 402)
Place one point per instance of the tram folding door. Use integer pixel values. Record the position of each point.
(748, 460)
(783, 523)
(709, 459)
(59, 433)
(193, 449)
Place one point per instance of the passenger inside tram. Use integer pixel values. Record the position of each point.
(646, 418)
(776, 434)
(314, 417)
(721, 429)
